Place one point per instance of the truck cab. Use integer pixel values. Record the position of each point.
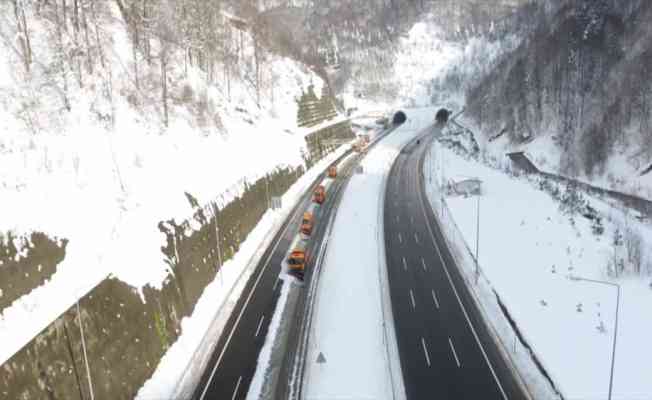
(297, 259)
(332, 171)
(307, 223)
(319, 196)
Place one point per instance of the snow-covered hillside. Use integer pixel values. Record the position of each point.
(90, 155)
(575, 94)
(429, 67)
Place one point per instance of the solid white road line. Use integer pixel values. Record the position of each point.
(423, 262)
(400, 238)
(404, 264)
(275, 284)
(237, 386)
(416, 237)
(260, 324)
(434, 297)
(425, 351)
(459, 301)
(457, 360)
(244, 307)
(412, 299)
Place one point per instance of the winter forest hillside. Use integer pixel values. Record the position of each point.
(154, 152)
(584, 70)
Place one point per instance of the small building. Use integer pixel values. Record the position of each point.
(465, 187)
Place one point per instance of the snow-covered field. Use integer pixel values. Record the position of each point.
(528, 252)
(350, 323)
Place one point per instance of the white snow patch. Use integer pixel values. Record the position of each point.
(348, 315)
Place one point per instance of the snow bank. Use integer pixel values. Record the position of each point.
(349, 317)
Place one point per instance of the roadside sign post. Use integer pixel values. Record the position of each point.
(615, 335)
(477, 240)
(217, 244)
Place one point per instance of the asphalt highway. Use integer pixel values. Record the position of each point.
(234, 360)
(445, 347)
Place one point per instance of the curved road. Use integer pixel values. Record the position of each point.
(445, 348)
(233, 362)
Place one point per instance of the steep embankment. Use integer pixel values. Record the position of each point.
(576, 93)
(135, 159)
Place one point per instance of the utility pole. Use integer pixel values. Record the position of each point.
(615, 335)
(430, 167)
(217, 242)
(267, 190)
(477, 240)
(443, 179)
(83, 340)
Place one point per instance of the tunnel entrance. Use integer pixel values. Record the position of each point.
(442, 116)
(399, 118)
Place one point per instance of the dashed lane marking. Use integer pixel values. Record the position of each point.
(260, 324)
(237, 386)
(457, 360)
(425, 351)
(434, 297)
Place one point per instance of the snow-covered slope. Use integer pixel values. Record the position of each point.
(575, 94)
(91, 157)
(429, 67)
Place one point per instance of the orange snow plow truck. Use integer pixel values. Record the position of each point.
(308, 221)
(298, 258)
(319, 196)
(332, 171)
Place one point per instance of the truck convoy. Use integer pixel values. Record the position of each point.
(361, 143)
(299, 257)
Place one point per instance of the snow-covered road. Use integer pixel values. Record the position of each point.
(351, 324)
